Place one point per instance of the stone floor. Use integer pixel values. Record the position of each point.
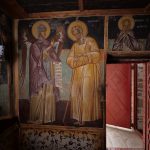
(123, 138)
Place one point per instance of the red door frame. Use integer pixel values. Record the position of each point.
(134, 68)
(146, 112)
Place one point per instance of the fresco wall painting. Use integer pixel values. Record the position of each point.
(61, 71)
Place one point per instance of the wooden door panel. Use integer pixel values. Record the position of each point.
(118, 95)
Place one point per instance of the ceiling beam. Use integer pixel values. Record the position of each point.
(131, 54)
(13, 9)
(102, 12)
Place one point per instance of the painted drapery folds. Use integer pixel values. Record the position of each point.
(129, 33)
(84, 59)
(61, 71)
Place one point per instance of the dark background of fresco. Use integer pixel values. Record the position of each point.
(95, 28)
(141, 28)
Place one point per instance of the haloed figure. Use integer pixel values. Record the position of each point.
(126, 39)
(84, 59)
(42, 105)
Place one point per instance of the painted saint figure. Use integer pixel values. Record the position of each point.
(126, 39)
(84, 59)
(42, 105)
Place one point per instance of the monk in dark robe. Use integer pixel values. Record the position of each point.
(126, 40)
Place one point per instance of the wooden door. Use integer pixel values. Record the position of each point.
(118, 95)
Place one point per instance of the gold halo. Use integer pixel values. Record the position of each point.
(35, 28)
(80, 24)
(123, 19)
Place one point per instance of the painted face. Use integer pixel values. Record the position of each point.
(77, 32)
(126, 25)
(42, 31)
